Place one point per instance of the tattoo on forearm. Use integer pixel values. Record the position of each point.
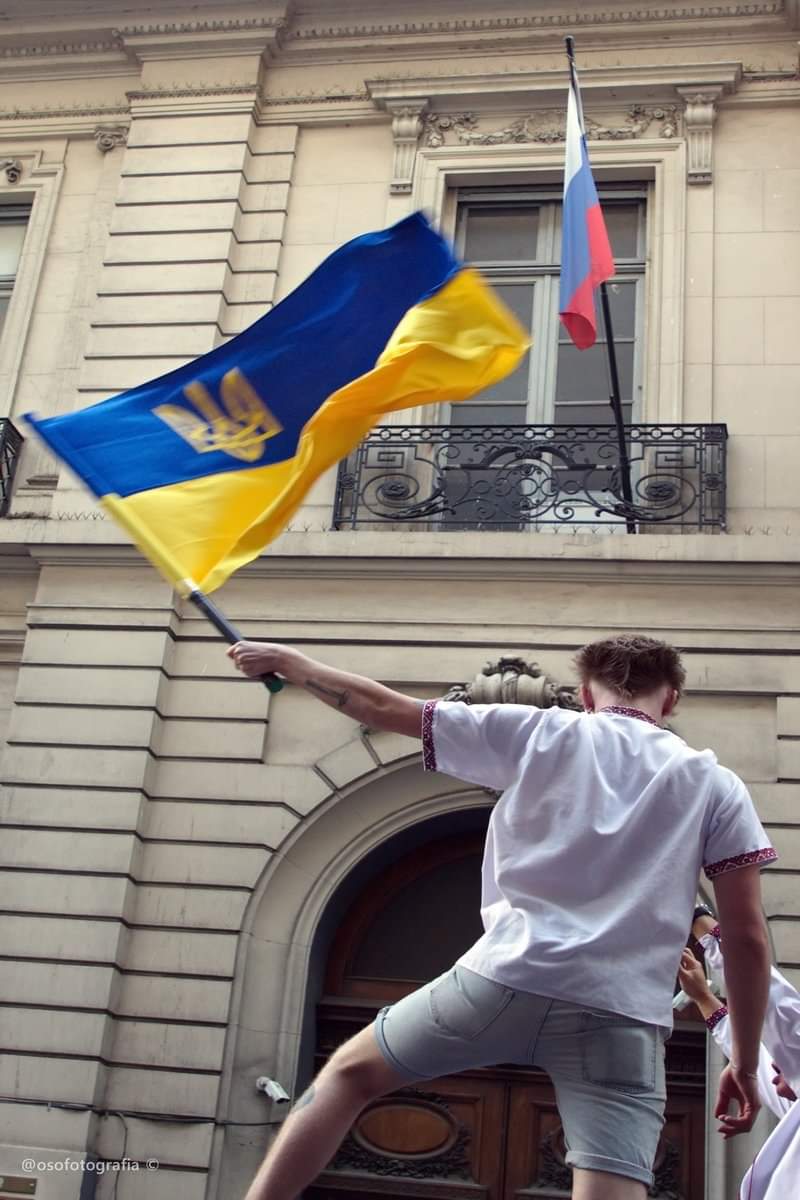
(341, 698)
(306, 1098)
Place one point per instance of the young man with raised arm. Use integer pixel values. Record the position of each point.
(590, 871)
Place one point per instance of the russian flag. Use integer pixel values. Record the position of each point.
(586, 258)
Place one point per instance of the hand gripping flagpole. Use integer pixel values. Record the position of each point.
(614, 398)
(221, 623)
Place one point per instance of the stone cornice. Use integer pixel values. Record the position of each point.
(67, 113)
(202, 26)
(203, 38)
(321, 41)
(604, 82)
(556, 20)
(210, 98)
(57, 49)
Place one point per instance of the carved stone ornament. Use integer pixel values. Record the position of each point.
(548, 126)
(406, 130)
(699, 116)
(13, 169)
(514, 681)
(108, 137)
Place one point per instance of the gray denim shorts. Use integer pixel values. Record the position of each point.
(607, 1070)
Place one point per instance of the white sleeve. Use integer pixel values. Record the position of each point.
(781, 1033)
(734, 837)
(479, 743)
(720, 1029)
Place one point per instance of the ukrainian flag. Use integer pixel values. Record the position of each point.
(206, 465)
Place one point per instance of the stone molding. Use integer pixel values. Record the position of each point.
(547, 126)
(42, 171)
(553, 20)
(57, 49)
(601, 86)
(67, 111)
(325, 42)
(208, 25)
(699, 116)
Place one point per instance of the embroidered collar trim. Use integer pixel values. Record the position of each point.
(622, 711)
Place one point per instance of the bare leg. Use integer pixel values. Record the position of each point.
(311, 1134)
(601, 1185)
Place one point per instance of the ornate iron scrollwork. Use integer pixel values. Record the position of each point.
(455, 477)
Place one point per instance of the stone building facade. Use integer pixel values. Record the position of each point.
(202, 884)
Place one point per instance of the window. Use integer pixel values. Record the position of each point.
(514, 238)
(13, 223)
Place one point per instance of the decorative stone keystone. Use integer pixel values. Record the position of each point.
(699, 115)
(107, 137)
(406, 130)
(514, 681)
(13, 170)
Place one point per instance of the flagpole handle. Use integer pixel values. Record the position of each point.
(231, 634)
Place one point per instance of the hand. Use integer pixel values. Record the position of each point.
(255, 659)
(692, 979)
(735, 1087)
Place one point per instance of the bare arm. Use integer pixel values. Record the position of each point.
(747, 960)
(362, 699)
(693, 981)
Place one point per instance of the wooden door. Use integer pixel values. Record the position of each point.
(489, 1134)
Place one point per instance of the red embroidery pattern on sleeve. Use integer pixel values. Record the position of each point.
(765, 855)
(428, 748)
(716, 1017)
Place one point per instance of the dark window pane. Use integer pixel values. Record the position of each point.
(589, 414)
(487, 414)
(622, 302)
(4, 302)
(622, 223)
(583, 374)
(501, 234)
(442, 908)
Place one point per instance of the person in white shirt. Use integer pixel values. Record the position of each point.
(775, 1171)
(600, 813)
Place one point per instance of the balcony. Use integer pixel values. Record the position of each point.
(535, 477)
(10, 446)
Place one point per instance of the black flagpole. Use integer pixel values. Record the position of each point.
(614, 399)
(221, 623)
(616, 408)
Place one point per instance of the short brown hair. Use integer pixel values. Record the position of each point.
(631, 665)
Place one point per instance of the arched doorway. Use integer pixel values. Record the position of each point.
(489, 1134)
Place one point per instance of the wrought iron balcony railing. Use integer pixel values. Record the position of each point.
(10, 445)
(534, 476)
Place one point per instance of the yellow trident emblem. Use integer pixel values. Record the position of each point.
(240, 432)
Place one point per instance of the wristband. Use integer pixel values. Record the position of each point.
(747, 1074)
